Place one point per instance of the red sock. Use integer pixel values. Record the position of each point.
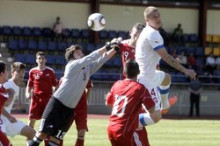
(61, 143)
(79, 142)
(4, 140)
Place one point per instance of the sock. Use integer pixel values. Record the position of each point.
(51, 143)
(46, 140)
(145, 119)
(164, 93)
(35, 142)
(79, 142)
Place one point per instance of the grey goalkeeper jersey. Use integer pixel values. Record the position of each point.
(76, 76)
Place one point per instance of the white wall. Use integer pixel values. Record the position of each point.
(42, 14)
(74, 15)
(213, 22)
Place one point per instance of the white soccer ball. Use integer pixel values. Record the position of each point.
(96, 21)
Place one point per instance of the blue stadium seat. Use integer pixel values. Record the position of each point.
(112, 34)
(13, 45)
(30, 59)
(6, 30)
(99, 45)
(90, 47)
(60, 60)
(20, 58)
(85, 34)
(22, 45)
(32, 45)
(83, 45)
(50, 59)
(62, 46)
(16, 31)
(52, 46)
(27, 31)
(103, 34)
(122, 34)
(68, 44)
(59, 74)
(199, 51)
(67, 33)
(46, 32)
(75, 33)
(36, 31)
(189, 50)
(117, 61)
(42, 45)
(193, 38)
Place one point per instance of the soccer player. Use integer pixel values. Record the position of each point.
(149, 50)
(126, 98)
(80, 115)
(3, 78)
(58, 115)
(12, 126)
(39, 89)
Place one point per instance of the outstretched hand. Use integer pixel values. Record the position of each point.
(191, 73)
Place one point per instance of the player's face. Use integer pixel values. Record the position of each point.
(135, 34)
(154, 20)
(78, 54)
(19, 74)
(41, 60)
(4, 76)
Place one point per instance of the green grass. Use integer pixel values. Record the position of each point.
(165, 133)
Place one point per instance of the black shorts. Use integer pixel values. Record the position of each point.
(56, 119)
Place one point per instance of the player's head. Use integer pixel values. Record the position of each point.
(152, 17)
(18, 71)
(74, 52)
(3, 72)
(136, 30)
(40, 58)
(131, 69)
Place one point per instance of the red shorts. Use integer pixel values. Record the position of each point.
(38, 104)
(140, 137)
(80, 116)
(117, 140)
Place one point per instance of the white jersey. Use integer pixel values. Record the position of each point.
(146, 56)
(11, 84)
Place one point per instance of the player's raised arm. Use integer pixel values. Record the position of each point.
(175, 63)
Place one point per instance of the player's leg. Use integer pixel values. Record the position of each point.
(80, 137)
(31, 123)
(140, 137)
(4, 140)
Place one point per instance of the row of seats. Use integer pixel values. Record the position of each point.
(212, 38)
(68, 33)
(197, 51)
(25, 45)
(212, 50)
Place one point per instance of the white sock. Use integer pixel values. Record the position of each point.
(145, 120)
(164, 93)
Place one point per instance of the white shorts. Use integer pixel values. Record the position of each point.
(152, 85)
(11, 129)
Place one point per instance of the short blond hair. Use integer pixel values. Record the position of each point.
(148, 11)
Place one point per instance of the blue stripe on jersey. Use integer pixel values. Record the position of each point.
(158, 47)
(164, 91)
(141, 119)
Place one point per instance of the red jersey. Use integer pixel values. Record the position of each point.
(42, 80)
(127, 97)
(127, 52)
(2, 97)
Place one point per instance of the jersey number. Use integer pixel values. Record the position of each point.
(119, 111)
(60, 134)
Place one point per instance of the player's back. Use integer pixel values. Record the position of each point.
(126, 96)
(146, 56)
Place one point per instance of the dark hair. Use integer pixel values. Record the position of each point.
(40, 53)
(17, 65)
(131, 68)
(2, 66)
(69, 55)
(139, 26)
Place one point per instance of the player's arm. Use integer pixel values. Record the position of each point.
(11, 94)
(175, 63)
(29, 92)
(8, 116)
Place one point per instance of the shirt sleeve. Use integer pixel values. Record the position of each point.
(147, 99)
(155, 41)
(7, 85)
(30, 79)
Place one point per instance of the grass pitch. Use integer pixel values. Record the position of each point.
(195, 132)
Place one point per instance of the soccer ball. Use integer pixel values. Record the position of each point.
(96, 22)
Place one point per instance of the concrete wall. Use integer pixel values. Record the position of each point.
(74, 15)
